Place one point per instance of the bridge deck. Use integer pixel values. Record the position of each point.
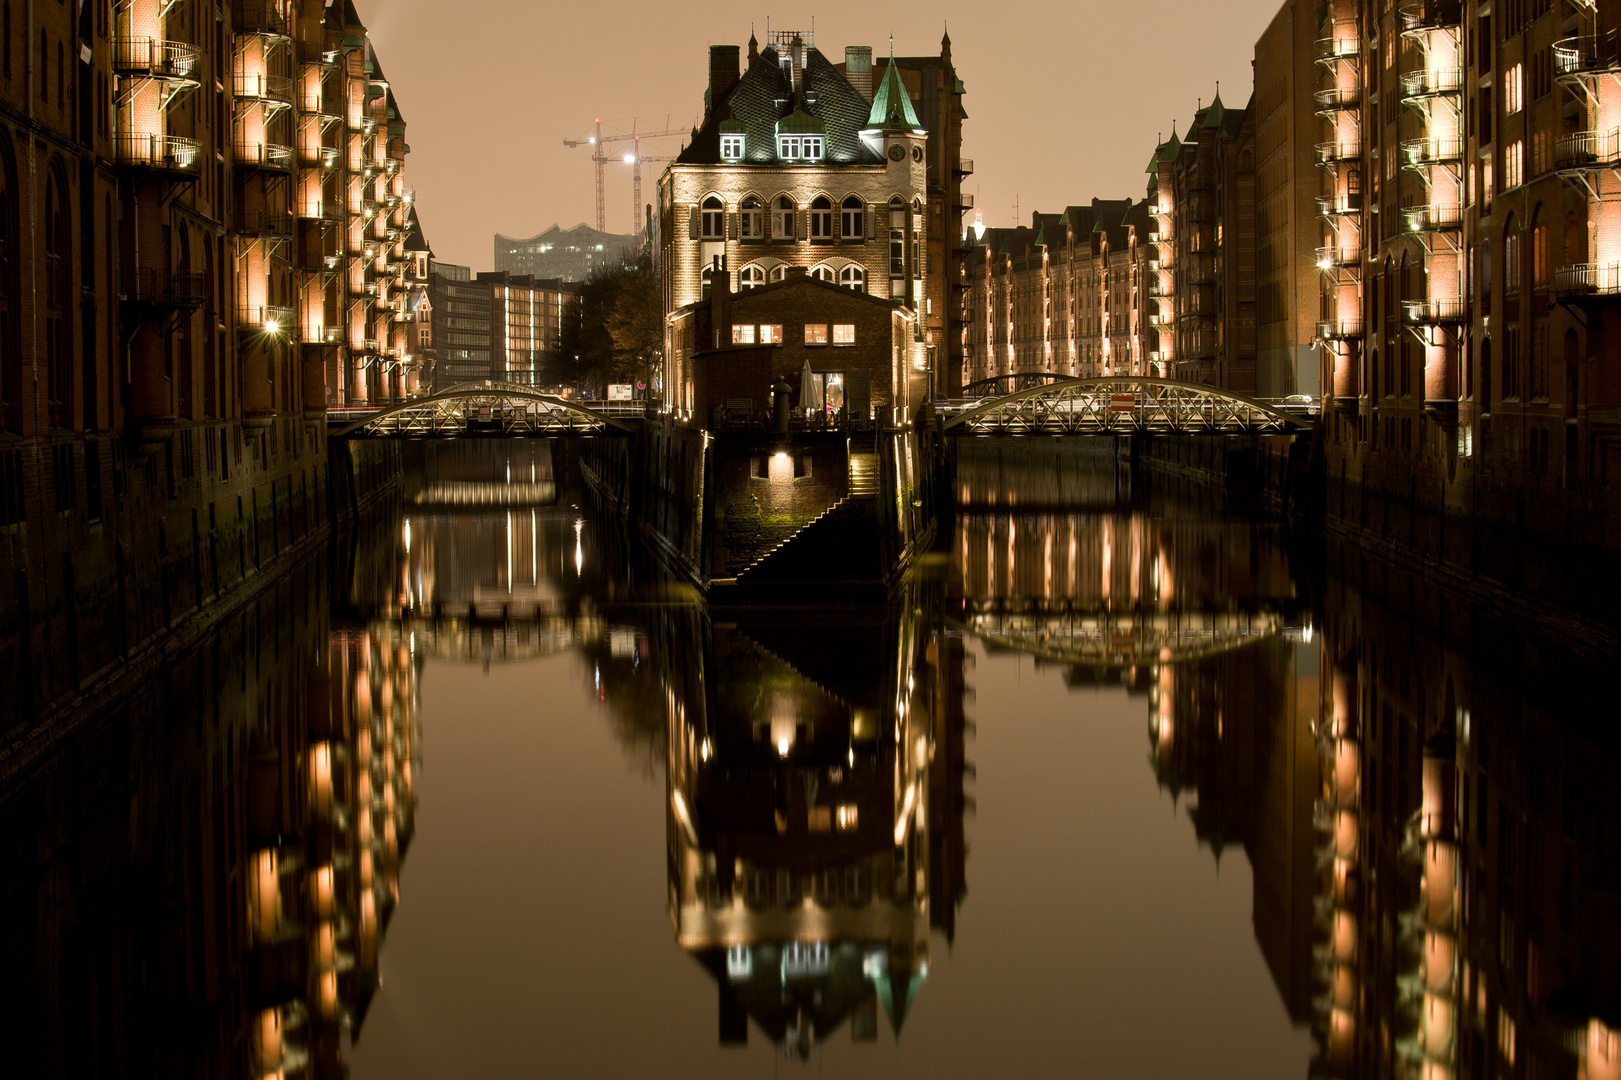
(1123, 405)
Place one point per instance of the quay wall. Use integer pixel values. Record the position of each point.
(714, 504)
(117, 560)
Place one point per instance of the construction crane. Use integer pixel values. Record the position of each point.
(597, 141)
(634, 160)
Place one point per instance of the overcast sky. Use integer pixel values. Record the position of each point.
(1064, 100)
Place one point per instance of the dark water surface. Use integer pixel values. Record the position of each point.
(1118, 786)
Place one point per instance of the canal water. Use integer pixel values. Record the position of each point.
(1122, 783)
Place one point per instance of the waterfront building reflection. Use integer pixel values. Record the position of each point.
(199, 880)
(814, 818)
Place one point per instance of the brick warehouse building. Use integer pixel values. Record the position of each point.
(858, 347)
(203, 212)
(799, 163)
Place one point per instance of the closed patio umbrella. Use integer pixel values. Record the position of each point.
(810, 391)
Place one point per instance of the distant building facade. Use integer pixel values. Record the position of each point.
(567, 255)
(495, 325)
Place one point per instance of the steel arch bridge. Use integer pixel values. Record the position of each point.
(484, 409)
(1117, 638)
(1123, 405)
(1004, 384)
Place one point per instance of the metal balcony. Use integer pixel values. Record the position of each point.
(1588, 279)
(1337, 206)
(264, 223)
(371, 345)
(1340, 330)
(320, 210)
(258, 86)
(1430, 218)
(264, 318)
(263, 155)
(160, 153)
(1434, 312)
(258, 17)
(1337, 150)
(965, 167)
(1348, 252)
(1339, 47)
(1433, 150)
(154, 58)
(1588, 150)
(1417, 85)
(965, 201)
(1419, 16)
(1574, 57)
(321, 335)
(1338, 97)
(167, 290)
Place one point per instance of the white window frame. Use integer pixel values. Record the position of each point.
(731, 147)
(844, 333)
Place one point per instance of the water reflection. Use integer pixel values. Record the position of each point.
(815, 817)
(201, 881)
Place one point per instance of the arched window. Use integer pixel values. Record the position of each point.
(1511, 256)
(704, 280)
(782, 218)
(897, 247)
(822, 273)
(853, 277)
(778, 273)
(821, 218)
(852, 225)
(714, 219)
(750, 277)
(58, 277)
(751, 219)
(1539, 249)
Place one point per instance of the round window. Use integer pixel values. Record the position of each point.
(917, 153)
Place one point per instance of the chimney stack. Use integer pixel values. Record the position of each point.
(797, 50)
(858, 68)
(723, 72)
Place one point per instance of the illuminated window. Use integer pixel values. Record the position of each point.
(846, 817)
(1513, 89)
(816, 333)
(853, 277)
(779, 273)
(742, 335)
(731, 147)
(799, 147)
(714, 219)
(782, 218)
(750, 277)
(844, 333)
(821, 218)
(1514, 165)
(822, 273)
(771, 334)
(751, 220)
(852, 225)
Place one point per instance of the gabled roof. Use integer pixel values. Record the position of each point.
(763, 97)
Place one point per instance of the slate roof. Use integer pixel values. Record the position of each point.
(763, 96)
(414, 240)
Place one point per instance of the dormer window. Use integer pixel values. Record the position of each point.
(731, 147)
(800, 147)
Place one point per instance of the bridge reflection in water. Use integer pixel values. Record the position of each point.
(1427, 815)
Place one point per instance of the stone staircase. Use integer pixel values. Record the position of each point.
(863, 466)
(838, 545)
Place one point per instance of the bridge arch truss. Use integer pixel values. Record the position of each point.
(484, 408)
(1123, 405)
